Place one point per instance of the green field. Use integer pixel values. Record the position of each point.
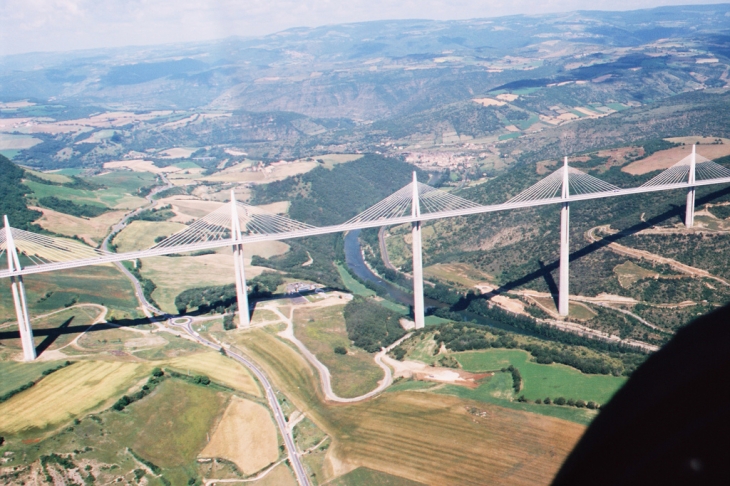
(508, 136)
(363, 476)
(120, 191)
(168, 428)
(46, 292)
(9, 153)
(15, 375)
(525, 124)
(359, 289)
(540, 381)
(353, 285)
(140, 235)
(323, 329)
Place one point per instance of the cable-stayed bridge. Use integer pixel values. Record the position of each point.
(236, 224)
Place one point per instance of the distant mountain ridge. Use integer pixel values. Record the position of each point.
(363, 71)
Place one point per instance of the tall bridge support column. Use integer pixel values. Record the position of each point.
(19, 299)
(418, 306)
(238, 267)
(689, 218)
(564, 290)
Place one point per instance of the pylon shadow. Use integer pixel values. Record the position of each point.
(52, 334)
(546, 270)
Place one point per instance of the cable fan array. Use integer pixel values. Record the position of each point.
(41, 249)
(552, 186)
(216, 226)
(705, 169)
(2, 244)
(398, 204)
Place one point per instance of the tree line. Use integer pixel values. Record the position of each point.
(371, 326)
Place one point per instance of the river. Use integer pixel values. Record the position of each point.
(356, 264)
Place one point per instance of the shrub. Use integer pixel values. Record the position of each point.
(571, 402)
(580, 403)
(560, 401)
(538, 401)
(591, 405)
(341, 350)
(547, 401)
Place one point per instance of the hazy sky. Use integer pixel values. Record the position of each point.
(60, 25)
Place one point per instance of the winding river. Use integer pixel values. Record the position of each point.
(356, 264)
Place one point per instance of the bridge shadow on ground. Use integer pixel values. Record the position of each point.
(545, 271)
(52, 334)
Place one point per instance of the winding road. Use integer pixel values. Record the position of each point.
(324, 372)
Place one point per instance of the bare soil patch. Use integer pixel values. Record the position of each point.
(245, 436)
(91, 230)
(664, 159)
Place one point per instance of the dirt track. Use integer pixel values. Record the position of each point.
(632, 252)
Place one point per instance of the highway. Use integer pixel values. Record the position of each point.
(294, 459)
(152, 312)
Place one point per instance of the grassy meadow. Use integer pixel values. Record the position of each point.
(539, 380)
(140, 235)
(220, 369)
(15, 375)
(322, 330)
(72, 391)
(51, 332)
(46, 292)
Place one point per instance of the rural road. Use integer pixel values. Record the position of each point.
(384, 249)
(324, 372)
(592, 237)
(291, 448)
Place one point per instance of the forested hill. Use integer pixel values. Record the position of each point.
(332, 196)
(12, 196)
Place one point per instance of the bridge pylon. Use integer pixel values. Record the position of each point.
(238, 267)
(689, 218)
(564, 290)
(418, 306)
(19, 299)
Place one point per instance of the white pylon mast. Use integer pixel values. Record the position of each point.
(689, 218)
(418, 306)
(19, 299)
(564, 290)
(241, 291)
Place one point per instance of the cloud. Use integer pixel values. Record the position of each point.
(61, 25)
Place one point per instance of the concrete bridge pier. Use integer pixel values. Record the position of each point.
(238, 267)
(19, 299)
(418, 306)
(564, 290)
(689, 218)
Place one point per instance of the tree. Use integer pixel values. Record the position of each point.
(580, 403)
(341, 350)
(560, 401)
(592, 405)
(547, 401)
